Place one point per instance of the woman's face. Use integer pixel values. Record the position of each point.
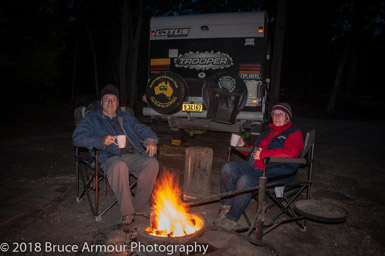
(279, 117)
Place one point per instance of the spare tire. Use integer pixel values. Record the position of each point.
(224, 96)
(166, 92)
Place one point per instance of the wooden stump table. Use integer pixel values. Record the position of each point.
(197, 171)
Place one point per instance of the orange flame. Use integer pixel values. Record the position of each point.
(169, 218)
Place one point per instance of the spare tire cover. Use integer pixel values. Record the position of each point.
(165, 92)
(224, 95)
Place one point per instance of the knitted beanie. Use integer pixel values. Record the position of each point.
(285, 107)
(110, 89)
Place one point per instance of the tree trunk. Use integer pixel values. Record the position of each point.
(74, 71)
(124, 54)
(338, 80)
(353, 70)
(97, 93)
(134, 59)
(278, 53)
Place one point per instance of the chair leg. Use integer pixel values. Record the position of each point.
(247, 218)
(83, 166)
(78, 199)
(86, 189)
(259, 225)
(285, 206)
(99, 217)
(97, 169)
(229, 154)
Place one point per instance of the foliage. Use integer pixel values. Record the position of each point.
(42, 40)
(34, 42)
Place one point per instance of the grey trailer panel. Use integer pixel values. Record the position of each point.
(220, 25)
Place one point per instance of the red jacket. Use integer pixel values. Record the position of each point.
(292, 148)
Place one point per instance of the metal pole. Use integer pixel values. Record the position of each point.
(261, 208)
(229, 154)
(217, 197)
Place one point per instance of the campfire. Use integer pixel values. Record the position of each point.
(169, 218)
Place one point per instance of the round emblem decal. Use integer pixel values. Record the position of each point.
(227, 82)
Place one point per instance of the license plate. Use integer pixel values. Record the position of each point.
(192, 107)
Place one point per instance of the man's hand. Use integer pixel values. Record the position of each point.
(151, 148)
(109, 139)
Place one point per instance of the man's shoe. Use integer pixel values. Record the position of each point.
(125, 221)
(226, 223)
(222, 213)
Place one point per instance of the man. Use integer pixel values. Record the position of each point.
(99, 129)
(281, 139)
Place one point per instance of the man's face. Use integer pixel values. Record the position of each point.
(279, 117)
(110, 104)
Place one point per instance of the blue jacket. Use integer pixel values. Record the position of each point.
(95, 125)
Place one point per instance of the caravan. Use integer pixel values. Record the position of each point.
(209, 72)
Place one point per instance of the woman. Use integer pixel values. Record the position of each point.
(281, 139)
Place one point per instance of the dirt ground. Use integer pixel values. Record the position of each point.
(38, 188)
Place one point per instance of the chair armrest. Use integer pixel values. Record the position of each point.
(246, 149)
(285, 160)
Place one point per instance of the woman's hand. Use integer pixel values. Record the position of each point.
(257, 153)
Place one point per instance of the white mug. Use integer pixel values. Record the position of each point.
(120, 141)
(234, 139)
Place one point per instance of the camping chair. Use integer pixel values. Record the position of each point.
(300, 188)
(89, 173)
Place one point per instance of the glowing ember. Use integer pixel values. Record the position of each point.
(169, 218)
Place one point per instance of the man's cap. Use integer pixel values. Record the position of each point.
(110, 89)
(285, 107)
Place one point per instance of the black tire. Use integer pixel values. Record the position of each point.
(224, 95)
(166, 92)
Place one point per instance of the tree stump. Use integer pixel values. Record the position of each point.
(197, 171)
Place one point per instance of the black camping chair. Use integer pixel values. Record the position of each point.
(299, 189)
(89, 174)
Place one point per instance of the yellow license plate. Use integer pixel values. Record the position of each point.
(192, 107)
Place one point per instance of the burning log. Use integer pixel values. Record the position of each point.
(170, 222)
(169, 217)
